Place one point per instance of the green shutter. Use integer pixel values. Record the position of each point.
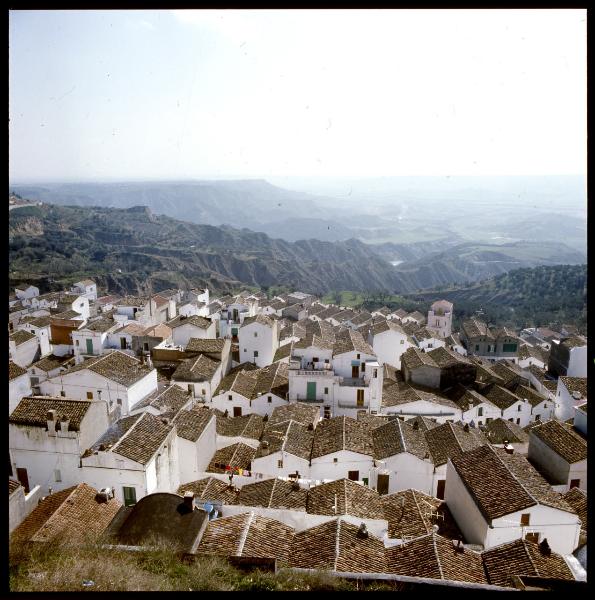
(129, 496)
(89, 346)
(311, 390)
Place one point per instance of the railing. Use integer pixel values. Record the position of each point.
(311, 400)
(314, 373)
(353, 382)
(352, 405)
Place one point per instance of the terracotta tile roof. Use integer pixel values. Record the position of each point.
(551, 386)
(73, 513)
(300, 412)
(248, 426)
(400, 313)
(206, 346)
(526, 393)
(43, 321)
(345, 497)
(411, 514)
(329, 312)
(423, 423)
(117, 366)
(335, 546)
(237, 455)
(168, 401)
(381, 326)
(471, 398)
(131, 301)
(195, 320)
(248, 535)
(562, 440)
(143, 439)
(503, 483)
(33, 410)
(282, 352)
(401, 393)
(574, 341)
(273, 493)
(13, 486)
(15, 370)
(350, 341)
(500, 430)
(507, 372)
(288, 436)
(575, 384)
(201, 368)
(160, 300)
(522, 558)
(414, 358)
(452, 439)
(21, 336)
(444, 357)
(396, 437)
(341, 433)
(435, 557)
(475, 328)
(251, 384)
(500, 396)
(86, 282)
(190, 424)
(68, 315)
(133, 329)
(373, 421)
(526, 351)
(101, 325)
(210, 489)
(262, 319)
(577, 499)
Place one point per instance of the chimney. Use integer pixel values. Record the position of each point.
(458, 545)
(415, 425)
(189, 500)
(51, 420)
(64, 423)
(466, 427)
(362, 532)
(508, 448)
(265, 447)
(544, 547)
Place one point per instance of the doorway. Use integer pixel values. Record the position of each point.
(237, 411)
(353, 475)
(440, 489)
(382, 485)
(355, 371)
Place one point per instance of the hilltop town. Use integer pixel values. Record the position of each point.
(288, 432)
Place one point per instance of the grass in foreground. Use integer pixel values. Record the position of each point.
(58, 567)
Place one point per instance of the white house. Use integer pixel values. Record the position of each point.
(77, 303)
(137, 456)
(199, 375)
(342, 448)
(285, 448)
(504, 434)
(252, 391)
(197, 441)
(86, 288)
(23, 348)
(183, 328)
(47, 367)
(40, 327)
(427, 339)
(166, 401)
(403, 459)
(234, 311)
(19, 385)
(440, 318)
(571, 392)
(542, 407)
(47, 437)
(580, 418)
(93, 338)
(414, 317)
(512, 407)
(259, 339)
(389, 342)
(496, 497)
(133, 308)
(245, 429)
(20, 503)
(568, 357)
(26, 293)
(477, 409)
(117, 379)
(560, 455)
(532, 355)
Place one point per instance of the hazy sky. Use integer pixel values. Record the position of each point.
(191, 94)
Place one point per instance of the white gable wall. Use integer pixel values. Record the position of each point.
(194, 457)
(324, 467)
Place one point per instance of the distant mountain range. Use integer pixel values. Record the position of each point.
(133, 250)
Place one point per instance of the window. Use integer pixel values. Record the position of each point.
(508, 347)
(32, 371)
(519, 408)
(402, 341)
(533, 537)
(230, 397)
(538, 417)
(476, 347)
(375, 372)
(146, 346)
(89, 395)
(326, 361)
(203, 392)
(245, 349)
(256, 334)
(327, 412)
(326, 390)
(335, 460)
(488, 420)
(544, 405)
(511, 420)
(279, 464)
(119, 401)
(353, 475)
(269, 399)
(574, 483)
(525, 519)
(315, 359)
(363, 367)
(255, 353)
(76, 343)
(191, 388)
(129, 496)
(480, 411)
(57, 475)
(63, 394)
(360, 398)
(518, 421)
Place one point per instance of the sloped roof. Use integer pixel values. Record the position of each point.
(410, 514)
(168, 401)
(249, 535)
(562, 440)
(381, 326)
(522, 557)
(575, 384)
(424, 423)
(473, 328)
(195, 320)
(72, 514)
(15, 370)
(435, 557)
(273, 493)
(260, 318)
(413, 358)
(341, 433)
(444, 357)
(345, 497)
(500, 396)
(503, 483)
(21, 336)
(577, 499)
(206, 346)
(13, 486)
(210, 489)
(257, 382)
(299, 412)
(247, 426)
(288, 436)
(117, 366)
(237, 455)
(190, 424)
(500, 430)
(398, 436)
(452, 439)
(526, 393)
(351, 341)
(401, 393)
(33, 410)
(335, 546)
(201, 368)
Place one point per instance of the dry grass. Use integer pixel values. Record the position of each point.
(60, 567)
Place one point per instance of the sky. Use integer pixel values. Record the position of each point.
(190, 94)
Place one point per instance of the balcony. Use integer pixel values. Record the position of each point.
(353, 382)
(300, 398)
